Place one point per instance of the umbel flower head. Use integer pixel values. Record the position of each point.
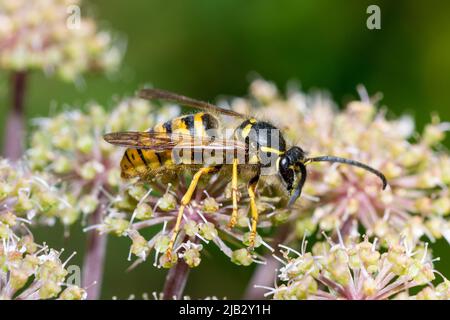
(26, 197)
(70, 147)
(141, 206)
(53, 36)
(358, 270)
(29, 271)
(417, 200)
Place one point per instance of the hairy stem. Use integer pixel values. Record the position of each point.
(176, 281)
(15, 130)
(265, 273)
(94, 258)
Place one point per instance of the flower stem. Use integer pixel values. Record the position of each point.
(94, 258)
(176, 281)
(264, 273)
(15, 131)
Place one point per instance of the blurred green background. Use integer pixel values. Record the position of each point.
(205, 48)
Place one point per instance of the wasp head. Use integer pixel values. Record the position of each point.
(290, 166)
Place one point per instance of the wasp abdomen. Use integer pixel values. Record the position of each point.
(140, 162)
(199, 124)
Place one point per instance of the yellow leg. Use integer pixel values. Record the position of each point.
(254, 211)
(184, 202)
(234, 189)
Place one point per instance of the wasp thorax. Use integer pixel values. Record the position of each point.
(264, 142)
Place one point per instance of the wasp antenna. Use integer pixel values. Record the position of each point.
(350, 162)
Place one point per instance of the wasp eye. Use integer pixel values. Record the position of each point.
(284, 162)
(286, 173)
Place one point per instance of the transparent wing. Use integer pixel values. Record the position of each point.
(160, 141)
(186, 101)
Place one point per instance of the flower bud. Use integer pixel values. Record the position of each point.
(90, 170)
(433, 134)
(140, 245)
(192, 257)
(85, 144)
(191, 228)
(143, 211)
(4, 231)
(137, 191)
(8, 218)
(442, 206)
(18, 278)
(168, 262)
(69, 216)
(116, 226)
(168, 202)
(305, 227)
(62, 165)
(369, 287)
(208, 231)
(443, 290)
(88, 204)
(242, 218)
(49, 289)
(73, 293)
(427, 294)
(162, 243)
(113, 177)
(24, 203)
(5, 190)
(210, 205)
(241, 257)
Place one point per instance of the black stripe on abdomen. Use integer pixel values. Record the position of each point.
(139, 151)
(210, 124)
(168, 126)
(128, 158)
(189, 122)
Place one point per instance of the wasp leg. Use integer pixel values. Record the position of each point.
(251, 188)
(234, 189)
(184, 202)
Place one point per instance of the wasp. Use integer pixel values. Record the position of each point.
(178, 143)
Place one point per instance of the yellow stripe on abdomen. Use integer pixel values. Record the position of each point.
(198, 125)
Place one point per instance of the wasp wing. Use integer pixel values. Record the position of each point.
(140, 140)
(163, 141)
(186, 101)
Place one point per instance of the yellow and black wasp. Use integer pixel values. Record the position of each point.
(194, 141)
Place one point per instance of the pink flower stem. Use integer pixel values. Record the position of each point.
(176, 280)
(94, 258)
(264, 273)
(335, 286)
(15, 130)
